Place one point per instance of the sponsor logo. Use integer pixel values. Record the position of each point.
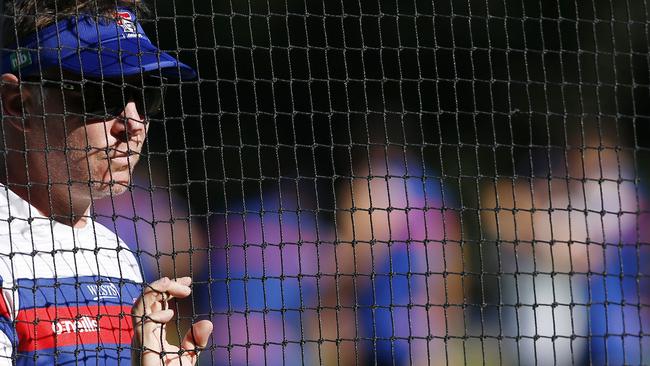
(20, 59)
(103, 291)
(83, 325)
(124, 20)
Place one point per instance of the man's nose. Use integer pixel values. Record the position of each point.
(129, 124)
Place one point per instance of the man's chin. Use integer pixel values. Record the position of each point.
(103, 190)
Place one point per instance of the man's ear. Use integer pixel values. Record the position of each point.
(12, 100)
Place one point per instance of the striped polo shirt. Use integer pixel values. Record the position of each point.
(66, 293)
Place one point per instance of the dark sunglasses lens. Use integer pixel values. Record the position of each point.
(149, 100)
(103, 108)
(107, 100)
(97, 101)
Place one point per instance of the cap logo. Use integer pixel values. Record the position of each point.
(125, 21)
(20, 59)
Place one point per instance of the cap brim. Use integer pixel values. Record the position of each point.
(125, 57)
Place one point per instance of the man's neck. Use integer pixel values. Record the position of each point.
(54, 201)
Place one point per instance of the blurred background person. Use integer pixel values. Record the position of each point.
(566, 239)
(155, 220)
(269, 257)
(380, 280)
(397, 297)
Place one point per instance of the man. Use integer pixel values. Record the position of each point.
(77, 94)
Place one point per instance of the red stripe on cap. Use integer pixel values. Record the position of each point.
(46, 328)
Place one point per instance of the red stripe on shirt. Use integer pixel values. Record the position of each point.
(61, 326)
(4, 310)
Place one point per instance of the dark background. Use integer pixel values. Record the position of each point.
(483, 89)
(290, 88)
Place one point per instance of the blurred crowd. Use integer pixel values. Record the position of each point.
(386, 274)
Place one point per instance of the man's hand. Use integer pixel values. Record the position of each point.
(150, 317)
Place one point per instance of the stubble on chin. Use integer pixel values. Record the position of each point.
(112, 179)
(108, 190)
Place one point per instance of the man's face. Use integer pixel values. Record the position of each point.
(96, 154)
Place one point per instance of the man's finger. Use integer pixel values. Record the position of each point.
(152, 321)
(178, 287)
(150, 329)
(161, 317)
(162, 291)
(197, 336)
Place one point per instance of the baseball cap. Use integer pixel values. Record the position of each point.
(94, 47)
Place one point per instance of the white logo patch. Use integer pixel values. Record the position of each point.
(104, 291)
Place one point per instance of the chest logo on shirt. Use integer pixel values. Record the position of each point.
(103, 291)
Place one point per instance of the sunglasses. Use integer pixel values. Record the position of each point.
(108, 98)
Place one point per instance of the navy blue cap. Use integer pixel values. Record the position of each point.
(93, 47)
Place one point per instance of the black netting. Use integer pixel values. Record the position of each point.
(346, 182)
